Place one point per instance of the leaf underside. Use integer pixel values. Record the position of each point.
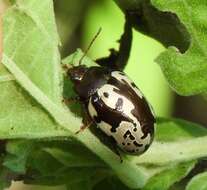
(181, 27)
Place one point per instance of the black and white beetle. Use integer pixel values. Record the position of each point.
(116, 105)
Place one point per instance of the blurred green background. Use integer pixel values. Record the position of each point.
(78, 21)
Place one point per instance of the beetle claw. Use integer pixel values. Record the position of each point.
(83, 127)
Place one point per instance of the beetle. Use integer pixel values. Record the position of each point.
(116, 105)
(112, 100)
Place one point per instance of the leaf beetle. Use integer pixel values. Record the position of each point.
(116, 105)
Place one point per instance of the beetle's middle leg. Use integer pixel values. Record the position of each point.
(86, 122)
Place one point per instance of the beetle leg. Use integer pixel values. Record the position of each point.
(84, 126)
(109, 141)
(68, 101)
(117, 152)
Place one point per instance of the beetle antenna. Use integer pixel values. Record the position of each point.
(91, 43)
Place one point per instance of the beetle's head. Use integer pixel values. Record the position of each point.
(76, 73)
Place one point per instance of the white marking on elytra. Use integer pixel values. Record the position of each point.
(127, 105)
(126, 144)
(113, 97)
(91, 109)
(120, 75)
(105, 127)
(123, 128)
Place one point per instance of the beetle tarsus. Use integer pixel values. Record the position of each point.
(68, 101)
(83, 127)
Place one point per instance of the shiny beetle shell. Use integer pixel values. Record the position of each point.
(116, 105)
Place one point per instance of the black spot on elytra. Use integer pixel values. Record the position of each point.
(135, 129)
(106, 94)
(123, 143)
(128, 134)
(119, 104)
(128, 144)
(121, 73)
(123, 80)
(137, 144)
(131, 151)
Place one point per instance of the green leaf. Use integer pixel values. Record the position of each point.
(198, 182)
(167, 178)
(161, 179)
(70, 153)
(177, 130)
(64, 177)
(147, 19)
(5, 182)
(83, 185)
(19, 152)
(58, 165)
(187, 72)
(40, 164)
(111, 183)
(183, 24)
(31, 41)
(53, 163)
(75, 157)
(21, 115)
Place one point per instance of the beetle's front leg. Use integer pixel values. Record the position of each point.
(116, 150)
(84, 126)
(68, 101)
(87, 122)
